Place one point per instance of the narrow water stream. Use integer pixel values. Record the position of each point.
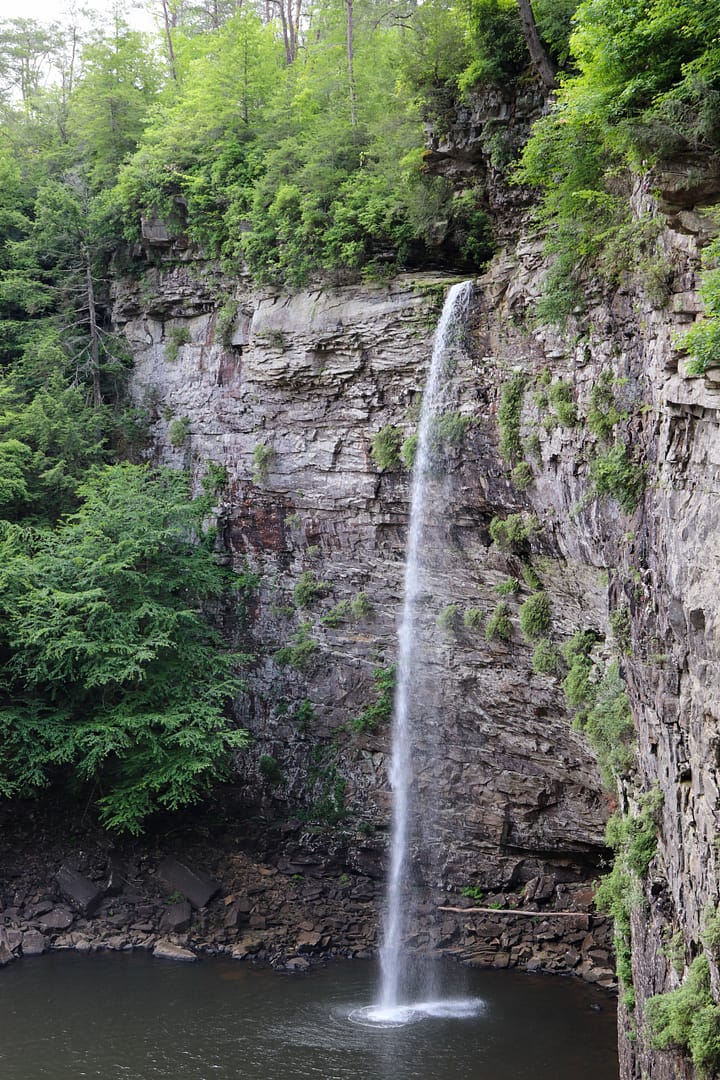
(114, 1017)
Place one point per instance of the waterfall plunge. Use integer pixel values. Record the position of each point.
(401, 770)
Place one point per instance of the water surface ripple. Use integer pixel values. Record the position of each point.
(129, 1017)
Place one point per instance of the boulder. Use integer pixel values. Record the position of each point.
(33, 943)
(57, 919)
(177, 918)
(297, 963)
(246, 947)
(195, 887)
(165, 950)
(80, 891)
(6, 953)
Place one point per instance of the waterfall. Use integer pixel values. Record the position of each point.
(451, 322)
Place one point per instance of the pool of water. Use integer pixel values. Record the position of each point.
(130, 1017)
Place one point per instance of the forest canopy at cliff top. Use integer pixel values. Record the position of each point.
(294, 144)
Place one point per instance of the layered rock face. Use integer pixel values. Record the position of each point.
(289, 404)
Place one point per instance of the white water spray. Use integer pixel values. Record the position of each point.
(401, 771)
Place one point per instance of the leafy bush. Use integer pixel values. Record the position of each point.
(115, 673)
(616, 474)
(178, 432)
(308, 589)
(385, 448)
(408, 451)
(561, 397)
(633, 838)
(603, 414)
(513, 532)
(270, 770)
(225, 322)
(509, 587)
(329, 787)
(546, 659)
(609, 727)
(448, 430)
(337, 614)
(498, 47)
(509, 413)
(304, 715)
(621, 630)
(447, 620)
(361, 606)
(522, 476)
(473, 618)
(711, 929)
(535, 616)
(498, 624)
(176, 337)
(531, 577)
(263, 456)
(300, 653)
(687, 1019)
(381, 710)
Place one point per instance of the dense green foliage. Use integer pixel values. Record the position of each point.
(385, 448)
(643, 88)
(380, 711)
(602, 710)
(110, 670)
(114, 685)
(536, 616)
(498, 624)
(688, 1019)
(513, 532)
(703, 340)
(633, 838)
(511, 402)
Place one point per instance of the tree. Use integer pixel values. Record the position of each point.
(538, 54)
(108, 109)
(26, 49)
(112, 671)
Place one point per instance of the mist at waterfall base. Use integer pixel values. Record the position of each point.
(116, 1016)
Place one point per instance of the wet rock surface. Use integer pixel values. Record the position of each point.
(263, 914)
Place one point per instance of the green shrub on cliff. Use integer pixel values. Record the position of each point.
(513, 532)
(308, 589)
(643, 91)
(509, 412)
(385, 448)
(300, 652)
(177, 336)
(688, 1019)
(562, 399)
(618, 474)
(535, 616)
(703, 340)
(381, 709)
(498, 624)
(546, 659)
(633, 838)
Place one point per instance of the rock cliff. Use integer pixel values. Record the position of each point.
(287, 391)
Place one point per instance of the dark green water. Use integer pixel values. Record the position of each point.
(129, 1017)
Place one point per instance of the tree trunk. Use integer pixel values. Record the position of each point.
(540, 59)
(94, 333)
(168, 38)
(351, 69)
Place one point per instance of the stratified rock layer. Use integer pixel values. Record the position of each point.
(506, 790)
